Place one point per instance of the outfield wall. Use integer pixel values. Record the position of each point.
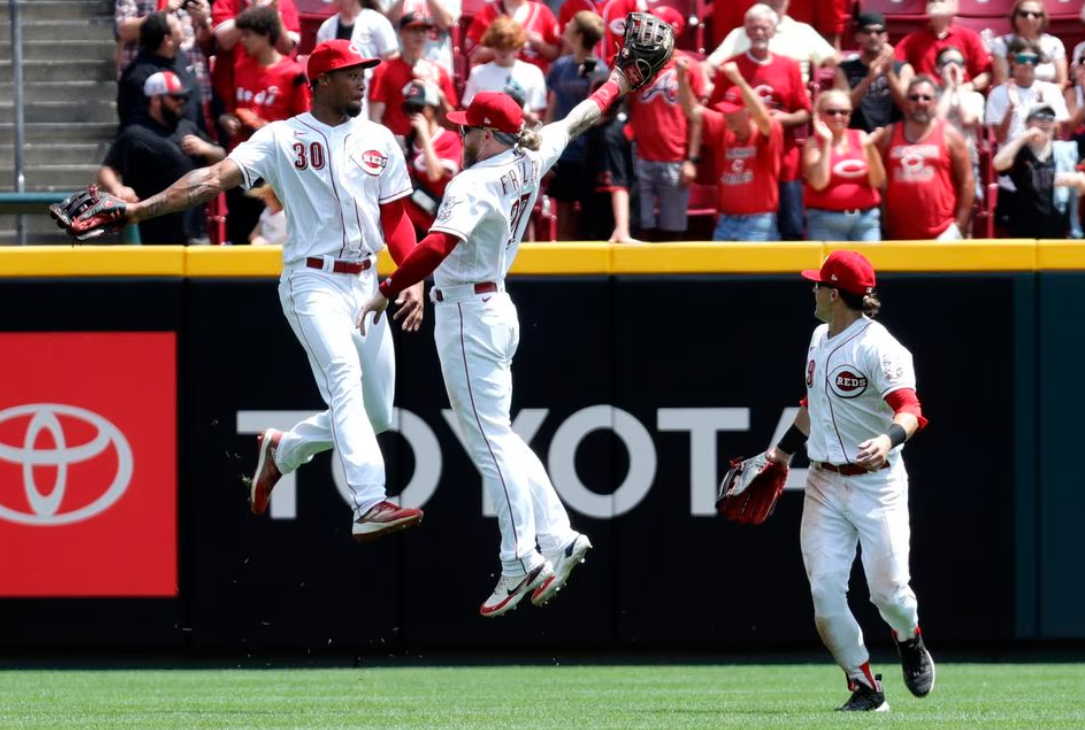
(641, 370)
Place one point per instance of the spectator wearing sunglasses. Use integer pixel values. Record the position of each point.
(843, 172)
(1029, 20)
(929, 189)
(1008, 102)
(921, 48)
(874, 79)
(1043, 170)
(962, 108)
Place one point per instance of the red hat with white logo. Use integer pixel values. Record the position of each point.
(494, 109)
(731, 103)
(336, 55)
(672, 17)
(847, 270)
(164, 83)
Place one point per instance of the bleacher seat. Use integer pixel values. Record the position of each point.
(997, 25)
(984, 8)
(312, 14)
(893, 8)
(1063, 8)
(693, 38)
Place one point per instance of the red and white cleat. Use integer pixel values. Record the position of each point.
(267, 474)
(383, 519)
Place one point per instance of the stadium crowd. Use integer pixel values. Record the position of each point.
(798, 118)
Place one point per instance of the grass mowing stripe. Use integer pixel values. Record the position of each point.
(967, 696)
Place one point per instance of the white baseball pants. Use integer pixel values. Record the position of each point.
(839, 512)
(355, 374)
(477, 336)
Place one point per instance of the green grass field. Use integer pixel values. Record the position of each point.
(800, 696)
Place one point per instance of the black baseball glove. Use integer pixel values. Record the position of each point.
(648, 45)
(89, 213)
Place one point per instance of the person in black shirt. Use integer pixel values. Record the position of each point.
(160, 39)
(874, 79)
(152, 152)
(1043, 171)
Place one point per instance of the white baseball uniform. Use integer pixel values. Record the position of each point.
(332, 182)
(488, 206)
(847, 379)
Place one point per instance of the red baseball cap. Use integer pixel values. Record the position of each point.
(494, 109)
(335, 55)
(732, 102)
(672, 17)
(847, 270)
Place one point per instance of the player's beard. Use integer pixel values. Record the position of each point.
(921, 116)
(353, 109)
(470, 156)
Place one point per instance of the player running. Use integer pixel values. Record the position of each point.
(469, 250)
(342, 180)
(860, 408)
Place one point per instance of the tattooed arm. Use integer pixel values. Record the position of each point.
(198, 186)
(589, 111)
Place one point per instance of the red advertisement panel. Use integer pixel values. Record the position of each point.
(88, 464)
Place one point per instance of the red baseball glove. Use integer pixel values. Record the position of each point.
(748, 493)
(89, 213)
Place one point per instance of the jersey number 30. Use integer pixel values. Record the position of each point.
(314, 157)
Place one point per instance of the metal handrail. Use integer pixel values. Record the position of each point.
(17, 99)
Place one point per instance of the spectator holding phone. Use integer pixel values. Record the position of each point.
(433, 154)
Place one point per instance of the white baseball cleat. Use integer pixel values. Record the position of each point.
(384, 518)
(511, 588)
(563, 561)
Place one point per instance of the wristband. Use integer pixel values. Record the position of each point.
(897, 435)
(792, 441)
(605, 95)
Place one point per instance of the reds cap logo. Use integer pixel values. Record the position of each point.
(45, 506)
(847, 382)
(374, 162)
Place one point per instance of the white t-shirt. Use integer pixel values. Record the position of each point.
(793, 39)
(331, 181)
(488, 206)
(847, 379)
(1050, 46)
(998, 103)
(373, 35)
(272, 226)
(526, 76)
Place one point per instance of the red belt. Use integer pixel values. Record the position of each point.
(340, 267)
(848, 470)
(484, 288)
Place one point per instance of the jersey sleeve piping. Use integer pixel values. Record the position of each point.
(396, 196)
(450, 231)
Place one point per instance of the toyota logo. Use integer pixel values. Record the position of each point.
(44, 506)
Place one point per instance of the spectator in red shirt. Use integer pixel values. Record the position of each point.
(614, 12)
(268, 87)
(543, 35)
(747, 142)
(922, 47)
(392, 78)
(828, 17)
(778, 80)
(570, 8)
(659, 127)
(843, 172)
(433, 154)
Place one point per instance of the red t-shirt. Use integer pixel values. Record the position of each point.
(223, 10)
(779, 84)
(449, 148)
(849, 180)
(656, 117)
(922, 47)
(749, 171)
(536, 17)
(392, 77)
(273, 92)
(920, 195)
(614, 12)
(569, 8)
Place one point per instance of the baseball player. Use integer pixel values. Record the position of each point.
(470, 248)
(343, 182)
(860, 408)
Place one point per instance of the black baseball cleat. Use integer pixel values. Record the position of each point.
(865, 698)
(917, 664)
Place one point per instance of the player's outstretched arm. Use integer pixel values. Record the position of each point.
(591, 110)
(198, 186)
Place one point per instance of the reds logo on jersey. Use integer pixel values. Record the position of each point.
(847, 382)
(265, 97)
(665, 86)
(851, 169)
(373, 162)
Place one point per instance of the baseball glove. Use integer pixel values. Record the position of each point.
(89, 213)
(648, 45)
(748, 493)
